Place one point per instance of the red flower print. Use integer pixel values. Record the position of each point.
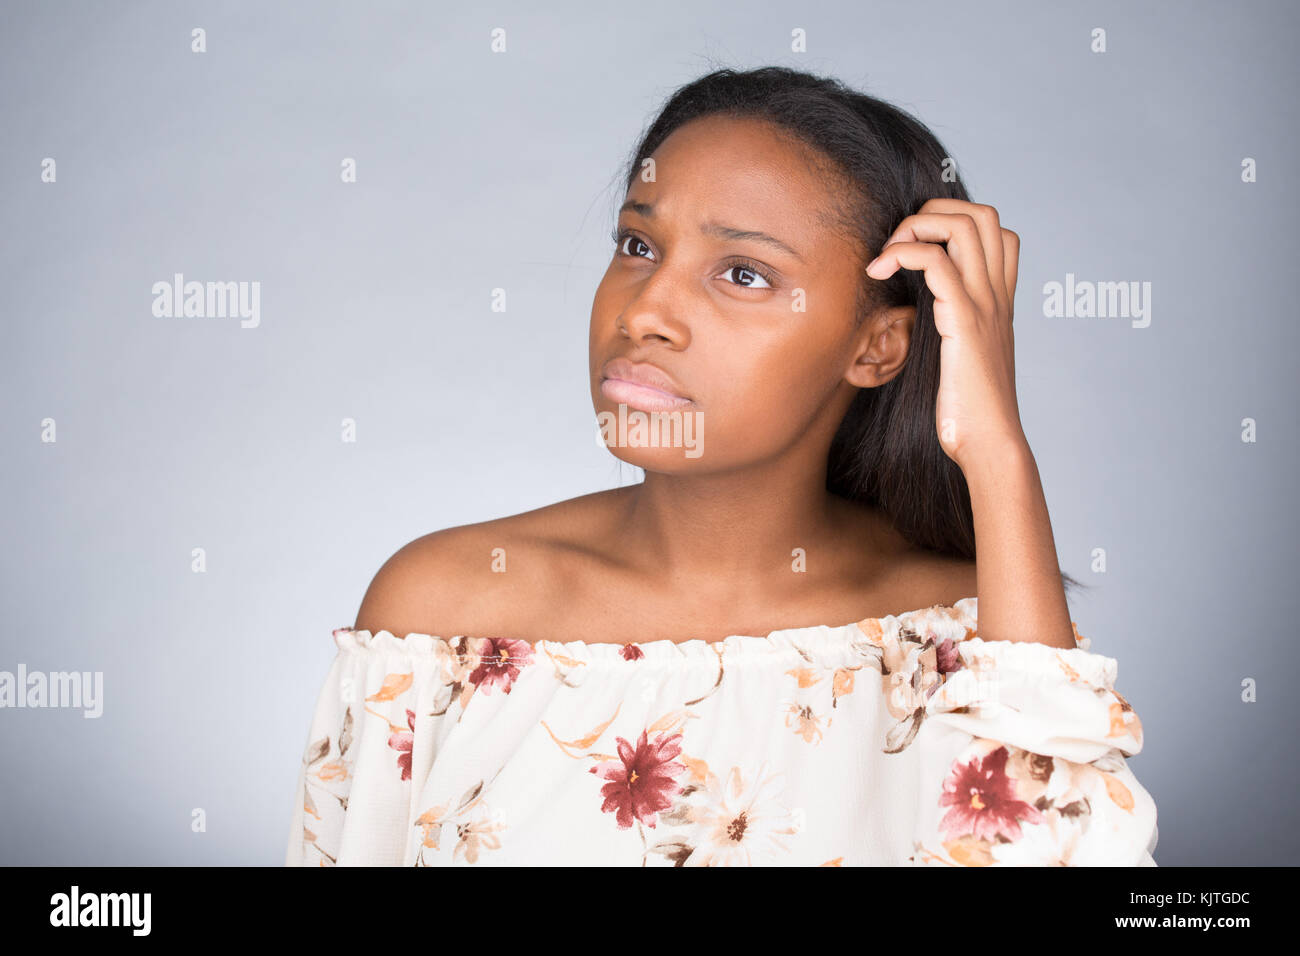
(983, 801)
(631, 652)
(640, 783)
(500, 659)
(402, 742)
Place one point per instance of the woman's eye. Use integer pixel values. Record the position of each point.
(743, 274)
(748, 277)
(628, 240)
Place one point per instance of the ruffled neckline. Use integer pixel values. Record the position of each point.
(958, 620)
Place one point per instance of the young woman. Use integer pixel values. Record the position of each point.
(805, 306)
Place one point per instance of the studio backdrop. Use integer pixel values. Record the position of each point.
(398, 213)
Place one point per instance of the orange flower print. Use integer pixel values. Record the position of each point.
(805, 723)
(739, 822)
(476, 836)
(332, 771)
(983, 800)
(841, 685)
(1123, 719)
(472, 835)
(1048, 783)
(394, 685)
(430, 823)
(640, 782)
(402, 741)
(500, 660)
(804, 676)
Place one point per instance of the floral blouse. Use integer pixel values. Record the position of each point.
(902, 740)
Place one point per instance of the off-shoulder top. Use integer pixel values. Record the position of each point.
(902, 740)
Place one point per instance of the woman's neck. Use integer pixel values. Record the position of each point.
(741, 526)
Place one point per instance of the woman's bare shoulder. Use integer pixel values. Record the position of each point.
(925, 579)
(912, 577)
(483, 578)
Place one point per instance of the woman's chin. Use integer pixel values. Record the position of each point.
(668, 461)
(656, 441)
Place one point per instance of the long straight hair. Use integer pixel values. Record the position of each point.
(887, 164)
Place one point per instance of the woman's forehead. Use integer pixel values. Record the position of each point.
(719, 170)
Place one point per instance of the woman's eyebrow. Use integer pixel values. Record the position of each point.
(717, 229)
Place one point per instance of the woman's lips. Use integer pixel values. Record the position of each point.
(640, 385)
(642, 397)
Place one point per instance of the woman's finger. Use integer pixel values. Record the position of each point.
(964, 249)
(951, 296)
(1011, 267)
(989, 224)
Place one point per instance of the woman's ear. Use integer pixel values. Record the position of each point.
(882, 346)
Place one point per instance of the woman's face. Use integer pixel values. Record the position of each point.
(732, 284)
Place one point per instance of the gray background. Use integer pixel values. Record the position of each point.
(479, 170)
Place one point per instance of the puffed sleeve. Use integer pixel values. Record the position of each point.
(1021, 751)
(373, 732)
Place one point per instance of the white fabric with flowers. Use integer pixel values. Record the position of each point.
(902, 740)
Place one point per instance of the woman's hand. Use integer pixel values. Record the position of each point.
(974, 286)
(1021, 597)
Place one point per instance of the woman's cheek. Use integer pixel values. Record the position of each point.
(754, 428)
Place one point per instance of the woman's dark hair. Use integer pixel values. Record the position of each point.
(886, 165)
